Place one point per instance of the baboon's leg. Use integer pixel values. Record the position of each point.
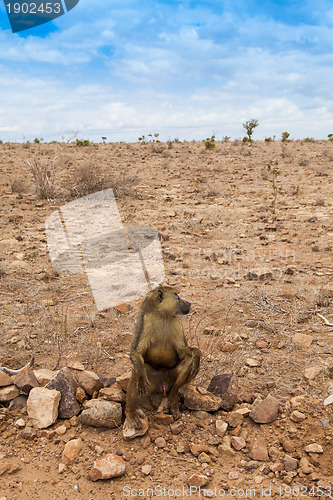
(184, 372)
(131, 398)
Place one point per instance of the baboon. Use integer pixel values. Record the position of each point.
(162, 359)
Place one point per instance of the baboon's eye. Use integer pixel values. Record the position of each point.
(160, 295)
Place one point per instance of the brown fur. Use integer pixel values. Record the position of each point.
(162, 359)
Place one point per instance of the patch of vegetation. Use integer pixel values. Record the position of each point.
(82, 142)
(330, 137)
(285, 136)
(249, 127)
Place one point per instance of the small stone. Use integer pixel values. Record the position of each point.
(237, 442)
(253, 362)
(302, 340)
(221, 427)
(146, 469)
(44, 376)
(107, 467)
(287, 445)
(312, 372)
(233, 475)
(5, 379)
(203, 458)
(197, 480)
(234, 419)
(123, 308)
(8, 393)
(26, 380)
(113, 393)
(260, 274)
(305, 466)
(225, 386)
(61, 430)
(314, 448)
(200, 415)
(177, 428)
(27, 433)
(71, 451)
(124, 379)
(290, 464)
(196, 401)
(76, 365)
(160, 442)
(100, 413)
(20, 423)
(42, 406)
(297, 416)
(266, 411)
(80, 395)
(163, 419)
(329, 400)
(258, 450)
(89, 381)
(61, 468)
(130, 432)
(228, 347)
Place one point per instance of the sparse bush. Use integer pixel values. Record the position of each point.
(44, 176)
(104, 139)
(226, 138)
(285, 136)
(18, 185)
(209, 145)
(249, 127)
(268, 139)
(330, 137)
(82, 142)
(309, 139)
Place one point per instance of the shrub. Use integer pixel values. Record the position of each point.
(330, 137)
(249, 127)
(285, 136)
(209, 145)
(82, 142)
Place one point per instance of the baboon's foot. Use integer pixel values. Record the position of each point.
(164, 406)
(174, 408)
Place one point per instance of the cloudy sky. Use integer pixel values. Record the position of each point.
(186, 69)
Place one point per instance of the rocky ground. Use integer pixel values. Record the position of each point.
(250, 247)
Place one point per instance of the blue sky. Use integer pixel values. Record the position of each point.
(183, 69)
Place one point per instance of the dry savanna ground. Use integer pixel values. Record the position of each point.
(219, 215)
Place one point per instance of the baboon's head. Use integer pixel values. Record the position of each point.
(166, 301)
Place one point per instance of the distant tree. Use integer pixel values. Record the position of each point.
(249, 127)
(285, 136)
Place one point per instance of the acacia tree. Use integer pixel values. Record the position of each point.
(249, 126)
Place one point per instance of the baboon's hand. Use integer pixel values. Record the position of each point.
(174, 408)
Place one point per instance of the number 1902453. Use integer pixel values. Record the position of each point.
(34, 8)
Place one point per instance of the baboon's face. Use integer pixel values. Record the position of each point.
(169, 302)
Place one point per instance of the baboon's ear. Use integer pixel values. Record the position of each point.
(160, 294)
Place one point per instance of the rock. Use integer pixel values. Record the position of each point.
(25, 380)
(28, 433)
(329, 400)
(225, 386)
(238, 442)
(200, 415)
(61, 430)
(290, 464)
(5, 379)
(146, 469)
(44, 376)
(61, 468)
(71, 451)
(160, 442)
(297, 416)
(328, 389)
(252, 363)
(314, 448)
(89, 381)
(7, 468)
(163, 419)
(258, 450)
(8, 393)
(197, 480)
(203, 458)
(124, 379)
(130, 433)
(312, 372)
(76, 365)
(196, 401)
(287, 445)
(221, 427)
(302, 340)
(260, 274)
(113, 393)
(107, 467)
(234, 419)
(100, 413)
(80, 395)
(18, 403)
(305, 466)
(42, 406)
(176, 428)
(65, 383)
(266, 411)
(20, 423)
